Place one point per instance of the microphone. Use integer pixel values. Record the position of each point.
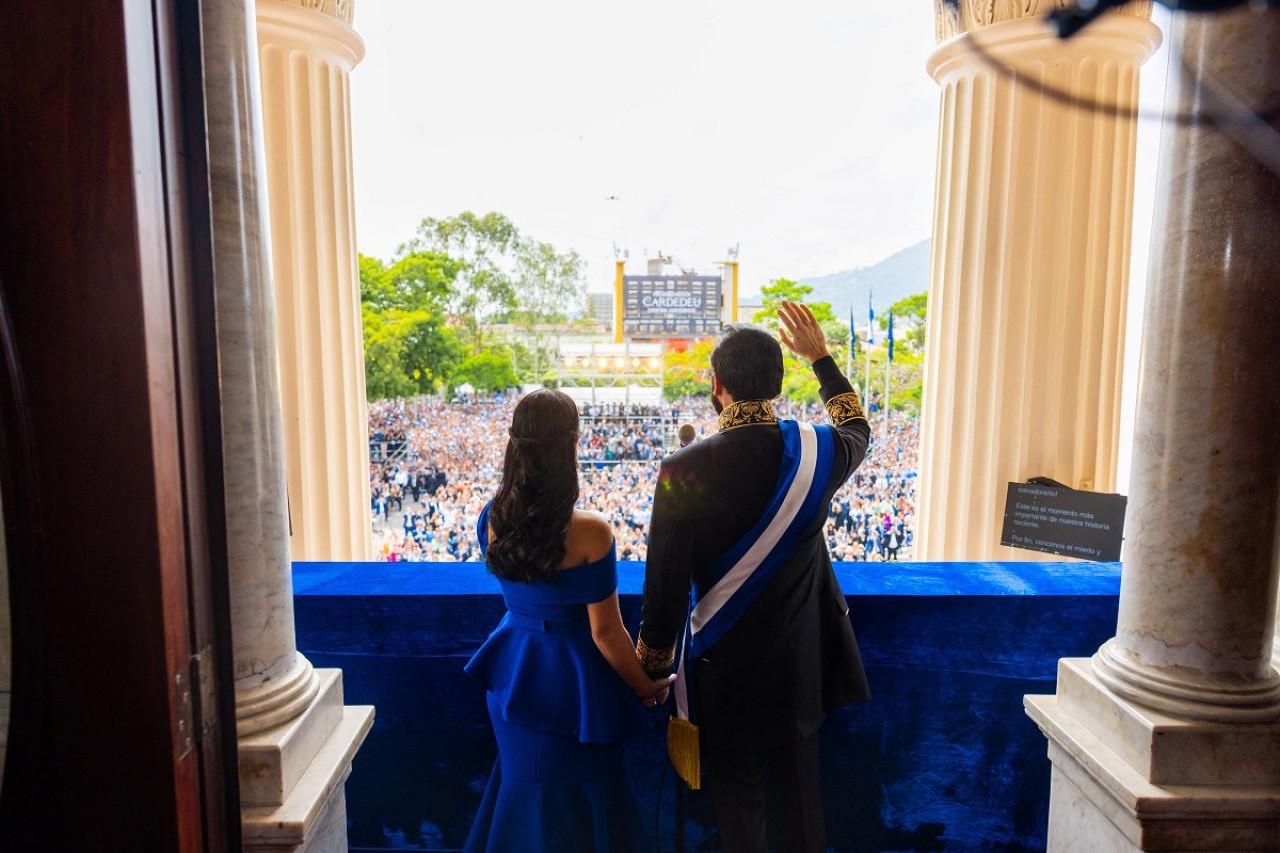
(686, 434)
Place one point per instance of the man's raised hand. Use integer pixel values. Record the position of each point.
(802, 335)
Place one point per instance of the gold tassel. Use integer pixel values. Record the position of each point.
(682, 746)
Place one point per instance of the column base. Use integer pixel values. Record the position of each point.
(272, 762)
(292, 776)
(1129, 779)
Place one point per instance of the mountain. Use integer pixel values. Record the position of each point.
(898, 276)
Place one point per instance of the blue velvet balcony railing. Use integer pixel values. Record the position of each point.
(941, 758)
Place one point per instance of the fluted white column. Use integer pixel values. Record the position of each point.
(307, 49)
(1029, 271)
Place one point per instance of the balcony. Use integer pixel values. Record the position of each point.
(941, 758)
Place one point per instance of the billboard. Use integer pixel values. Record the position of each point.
(670, 306)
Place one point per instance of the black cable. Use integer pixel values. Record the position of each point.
(1251, 130)
(1072, 19)
(1248, 118)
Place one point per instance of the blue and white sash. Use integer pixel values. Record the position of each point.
(738, 577)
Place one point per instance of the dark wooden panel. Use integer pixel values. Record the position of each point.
(104, 285)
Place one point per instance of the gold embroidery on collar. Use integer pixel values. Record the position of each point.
(845, 407)
(746, 413)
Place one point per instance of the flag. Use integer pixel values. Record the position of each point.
(871, 323)
(891, 336)
(853, 335)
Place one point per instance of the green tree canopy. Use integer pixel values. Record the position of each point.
(417, 281)
(406, 352)
(438, 300)
(915, 308)
(549, 284)
(798, 381)
(482, 246)
(408, 348)
(488, 371)
(688, 373)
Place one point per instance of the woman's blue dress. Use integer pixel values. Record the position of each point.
(559, 713)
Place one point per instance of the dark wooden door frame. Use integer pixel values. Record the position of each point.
(122, 725)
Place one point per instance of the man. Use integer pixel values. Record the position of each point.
(760, 691)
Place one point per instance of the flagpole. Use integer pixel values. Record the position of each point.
(848, 353)
(866, 380)
(887, 362)
(871, 339)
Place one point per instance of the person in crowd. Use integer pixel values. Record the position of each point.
(453, 446)
(562, 682)
(738, 518)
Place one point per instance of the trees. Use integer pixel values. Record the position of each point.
(549, 284)
(688, 373)
(914, 308)
(482, 247)
(488, 371)
(798, 382)
(434, 306)
(502, 275)
(408, 348)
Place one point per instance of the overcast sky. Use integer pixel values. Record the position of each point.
(805, 133)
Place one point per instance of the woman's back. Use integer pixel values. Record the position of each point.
(541, 663)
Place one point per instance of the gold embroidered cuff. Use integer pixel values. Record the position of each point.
(655, 660)
(845, 407)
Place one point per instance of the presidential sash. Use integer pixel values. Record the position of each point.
(742, 573)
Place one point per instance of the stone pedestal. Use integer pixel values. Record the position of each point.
(1169, 737)
(306, 52)
(1126, 778)
(1028, 280)
(291, 776)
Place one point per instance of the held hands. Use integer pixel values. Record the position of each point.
(805, 339)
(661, 689)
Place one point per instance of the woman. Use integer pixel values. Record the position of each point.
(563, 682)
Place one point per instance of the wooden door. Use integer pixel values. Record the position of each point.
(122, 717)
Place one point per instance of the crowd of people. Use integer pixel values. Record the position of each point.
(434, 464)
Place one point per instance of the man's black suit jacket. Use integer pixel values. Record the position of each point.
(792, 655)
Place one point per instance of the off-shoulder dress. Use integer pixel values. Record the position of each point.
(559, 714)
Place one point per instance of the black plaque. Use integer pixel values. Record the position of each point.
(1068, 522)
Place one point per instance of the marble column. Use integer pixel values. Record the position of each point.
(1169, 737)
(289, 717)
(306, 51)
(1028, 280)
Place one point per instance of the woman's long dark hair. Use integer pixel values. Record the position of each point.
(534, 505)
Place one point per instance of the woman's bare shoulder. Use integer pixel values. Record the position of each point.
(589, 538)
